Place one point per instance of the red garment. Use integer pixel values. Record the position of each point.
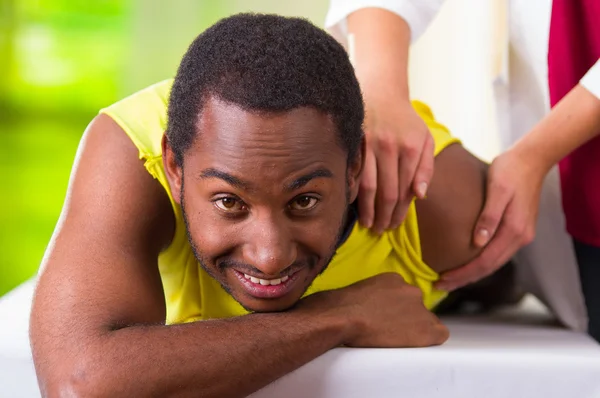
(574, 47)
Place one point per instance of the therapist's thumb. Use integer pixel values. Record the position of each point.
(496, 202)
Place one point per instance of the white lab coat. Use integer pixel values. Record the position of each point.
(547, 267)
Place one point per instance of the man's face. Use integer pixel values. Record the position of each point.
(265, 197)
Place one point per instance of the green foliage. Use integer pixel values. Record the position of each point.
(61, 62)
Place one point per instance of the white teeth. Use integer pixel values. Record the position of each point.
(266, 282)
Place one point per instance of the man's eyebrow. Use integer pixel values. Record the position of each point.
(228, 178)
(305, 179)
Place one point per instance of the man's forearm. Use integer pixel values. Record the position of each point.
(217, 358)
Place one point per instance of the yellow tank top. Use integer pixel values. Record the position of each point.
(191, 294)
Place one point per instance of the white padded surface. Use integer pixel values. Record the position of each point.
(17, 375)
(515, 353)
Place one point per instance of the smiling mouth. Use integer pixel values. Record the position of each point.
(267, 288)
(266, 282)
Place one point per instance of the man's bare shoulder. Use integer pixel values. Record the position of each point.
(115, 221)
(109, 177)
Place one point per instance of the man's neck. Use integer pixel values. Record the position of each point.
(351, 219)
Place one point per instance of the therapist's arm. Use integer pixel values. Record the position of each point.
(573, 122)
(98, 318)
(399, 158)
(515, 179)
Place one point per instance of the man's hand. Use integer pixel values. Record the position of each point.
(399, 164)
(384, 311)
(508, 219)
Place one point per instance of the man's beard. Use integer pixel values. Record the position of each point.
(222, 265)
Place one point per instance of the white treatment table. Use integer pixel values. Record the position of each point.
(514, 353)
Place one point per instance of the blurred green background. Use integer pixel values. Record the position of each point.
(60, 62)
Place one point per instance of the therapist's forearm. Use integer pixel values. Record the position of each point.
(571, 123)
(381, 47)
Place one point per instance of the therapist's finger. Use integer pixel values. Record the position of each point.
(425, 169)
(387, 196)
(497, 253)
(420, 181)
(367, 189)
(497, 199)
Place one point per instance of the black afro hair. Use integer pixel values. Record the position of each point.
(265, 63)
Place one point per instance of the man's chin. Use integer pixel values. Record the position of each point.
(258, 305)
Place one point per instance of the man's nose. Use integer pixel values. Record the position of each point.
(270, 247)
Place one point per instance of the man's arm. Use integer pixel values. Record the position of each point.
(97, 326)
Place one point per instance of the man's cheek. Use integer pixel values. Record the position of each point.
(213, 238)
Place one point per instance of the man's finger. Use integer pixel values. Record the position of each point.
(367, 189)
(496, 202)
(425, 169)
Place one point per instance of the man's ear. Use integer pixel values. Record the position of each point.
(355, 167)
(173, 170)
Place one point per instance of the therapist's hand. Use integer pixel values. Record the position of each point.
(398, 166)
(508, 219)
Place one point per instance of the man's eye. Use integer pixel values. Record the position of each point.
(304, 203)
(229, 204)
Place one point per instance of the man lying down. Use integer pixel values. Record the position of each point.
(208, 244)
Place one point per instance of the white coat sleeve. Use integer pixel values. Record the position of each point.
(417, 13)
(591, 80)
